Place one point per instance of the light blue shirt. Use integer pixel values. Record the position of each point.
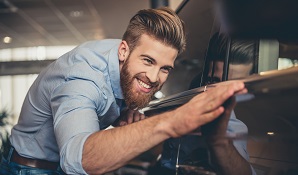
(72, 98)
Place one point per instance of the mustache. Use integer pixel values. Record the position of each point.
(147, 81)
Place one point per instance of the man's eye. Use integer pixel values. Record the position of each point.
(166, 70)
(148, 61)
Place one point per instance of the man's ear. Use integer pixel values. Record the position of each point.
(123, 51)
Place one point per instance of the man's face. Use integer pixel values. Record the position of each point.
(236, 71)
(145, 71)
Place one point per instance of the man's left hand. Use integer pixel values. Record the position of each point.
(128, 116)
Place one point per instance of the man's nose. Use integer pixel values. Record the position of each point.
(153, 75)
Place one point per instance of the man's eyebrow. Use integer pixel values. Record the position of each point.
(154, 61)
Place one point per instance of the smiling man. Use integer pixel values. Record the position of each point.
(145, 70)
(62, 124)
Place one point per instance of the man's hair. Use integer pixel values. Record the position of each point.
(163, 24)
(242, 51)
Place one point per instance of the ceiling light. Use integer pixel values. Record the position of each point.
(270, 133)
(76, 13)
(7, 39)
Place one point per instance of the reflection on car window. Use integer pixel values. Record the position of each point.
(243, 56)
(288, 55)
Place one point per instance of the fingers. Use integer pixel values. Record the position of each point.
(130, 116)
(122, 123)
(205, 107)
(134, 116)
(142, 116)
(210, 116)
(235, 85)
(138, 116)
(215, 97)
(218, 127)
(243, 91)
(209, 105)
(211, 100)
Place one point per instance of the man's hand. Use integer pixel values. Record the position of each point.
(225, 83)
(203, 108)
(128, 116)
(217, 129)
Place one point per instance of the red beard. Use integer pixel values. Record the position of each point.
(135, 99)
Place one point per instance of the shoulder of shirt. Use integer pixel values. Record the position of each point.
(102, 43)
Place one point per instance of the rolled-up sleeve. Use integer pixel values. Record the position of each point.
(75, 105)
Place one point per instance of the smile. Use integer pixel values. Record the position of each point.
(143, 84)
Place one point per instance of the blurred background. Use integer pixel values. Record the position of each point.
(33, 33)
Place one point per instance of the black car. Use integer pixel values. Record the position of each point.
(255, 41)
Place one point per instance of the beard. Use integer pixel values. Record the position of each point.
(136, 99)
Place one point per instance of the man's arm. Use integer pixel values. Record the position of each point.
(107, 150)
(227, 159)
(224, 156)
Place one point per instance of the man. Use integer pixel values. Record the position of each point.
(75, 98)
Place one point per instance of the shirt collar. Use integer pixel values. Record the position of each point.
(114, 71)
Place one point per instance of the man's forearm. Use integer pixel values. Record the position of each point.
(228, 161)
(110, 149)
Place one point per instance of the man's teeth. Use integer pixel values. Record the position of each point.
(144, 84)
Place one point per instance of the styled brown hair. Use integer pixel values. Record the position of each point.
(243, 51)
(163, 24)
